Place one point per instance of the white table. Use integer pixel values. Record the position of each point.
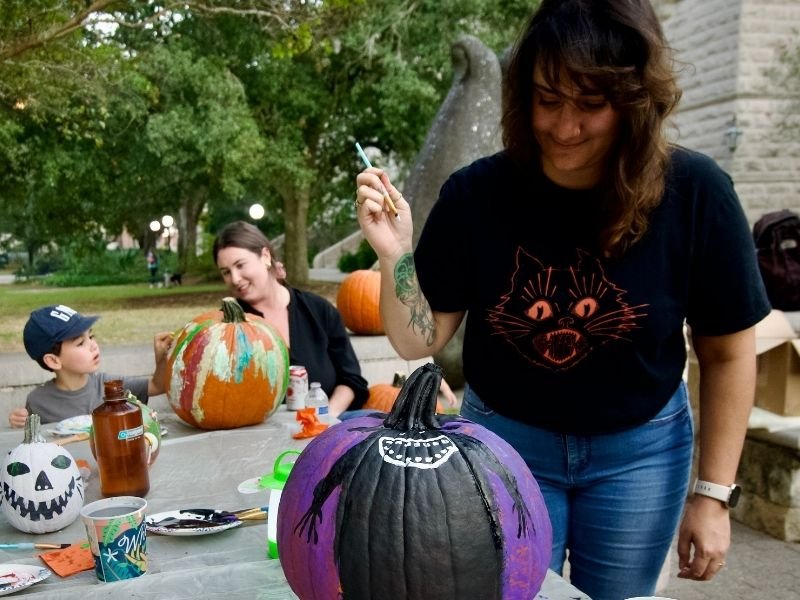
(195, 469)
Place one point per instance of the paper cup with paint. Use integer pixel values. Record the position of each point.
(275, 482)
(117, 536)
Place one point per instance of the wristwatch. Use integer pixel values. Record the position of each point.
(727, 494)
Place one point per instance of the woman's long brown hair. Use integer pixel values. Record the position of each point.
(615, 47)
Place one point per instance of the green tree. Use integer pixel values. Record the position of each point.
(197, 142)
(54, 181)
(374, 72)
(172, 105)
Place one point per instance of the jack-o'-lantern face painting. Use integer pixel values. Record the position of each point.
(42, 489)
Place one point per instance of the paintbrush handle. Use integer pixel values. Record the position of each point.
(78, 437)
(251, 514)
(32, 546)
(386, 196)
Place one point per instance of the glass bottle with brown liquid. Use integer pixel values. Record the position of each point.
(120, 445)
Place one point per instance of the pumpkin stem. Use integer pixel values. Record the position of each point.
(33, 429)
(415, 407)
(399, 379)
(231, 311)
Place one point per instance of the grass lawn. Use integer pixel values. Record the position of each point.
(131, 314)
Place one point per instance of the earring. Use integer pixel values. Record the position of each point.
(269, 265)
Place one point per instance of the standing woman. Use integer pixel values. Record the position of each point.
(309, 324)
(577, 254)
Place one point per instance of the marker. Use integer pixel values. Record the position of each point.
(386, 197)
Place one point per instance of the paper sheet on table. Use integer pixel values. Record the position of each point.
(73, 559)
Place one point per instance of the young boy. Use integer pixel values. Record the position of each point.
(60, 339)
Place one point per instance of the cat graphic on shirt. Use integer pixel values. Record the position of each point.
(555, 317)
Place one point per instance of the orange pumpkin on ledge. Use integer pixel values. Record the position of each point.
(358, 302)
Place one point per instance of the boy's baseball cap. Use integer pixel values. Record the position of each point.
(52, 324)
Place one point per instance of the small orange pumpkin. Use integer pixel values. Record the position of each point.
(358, 302)
(227, 369)
(383, 395)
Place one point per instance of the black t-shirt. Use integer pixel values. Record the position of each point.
(558, 336)
(320, 343)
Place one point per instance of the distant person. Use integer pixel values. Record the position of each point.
(575, 256)
(152, 267)
(60, 339)
(310, 325)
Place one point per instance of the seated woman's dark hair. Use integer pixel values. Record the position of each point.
(241, 234)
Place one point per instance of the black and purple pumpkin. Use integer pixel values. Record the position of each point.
(413, 505)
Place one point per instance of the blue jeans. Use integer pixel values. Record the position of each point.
(614, 500)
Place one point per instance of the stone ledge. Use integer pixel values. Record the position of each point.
(760, 514)
(769, 474)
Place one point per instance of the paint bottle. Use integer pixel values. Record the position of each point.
(120, 447)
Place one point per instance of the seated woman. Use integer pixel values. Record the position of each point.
(310, 325)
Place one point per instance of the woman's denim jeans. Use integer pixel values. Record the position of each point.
(614, 500)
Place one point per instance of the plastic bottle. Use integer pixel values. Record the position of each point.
(318, 399)
(120, 447)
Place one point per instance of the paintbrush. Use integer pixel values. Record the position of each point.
(252, 514)
(386, 197)
(33, 546)
(78, 437)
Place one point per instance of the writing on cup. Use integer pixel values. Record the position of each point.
(117, 537)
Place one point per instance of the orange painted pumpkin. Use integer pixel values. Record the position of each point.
(358, 302)
(227, 369)
(383, 395)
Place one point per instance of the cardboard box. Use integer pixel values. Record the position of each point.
(778, 359)
(778, 368)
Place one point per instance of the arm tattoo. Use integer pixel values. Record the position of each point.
(406, 288)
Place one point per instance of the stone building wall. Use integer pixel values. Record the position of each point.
(726, 48)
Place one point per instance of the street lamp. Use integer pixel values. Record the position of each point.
(167, 221)
(732, 134)
(155, 226)
(256, 212)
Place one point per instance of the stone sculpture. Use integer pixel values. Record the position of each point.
(466, 127)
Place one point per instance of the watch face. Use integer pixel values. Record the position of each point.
(733, 499)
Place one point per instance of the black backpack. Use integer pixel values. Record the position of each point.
(777, 239)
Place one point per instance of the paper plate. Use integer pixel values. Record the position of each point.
(17, 577)
(73, 425)
(187, 528)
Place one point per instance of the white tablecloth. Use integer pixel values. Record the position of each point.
(194, 469)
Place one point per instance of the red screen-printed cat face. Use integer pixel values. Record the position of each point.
(555, 317)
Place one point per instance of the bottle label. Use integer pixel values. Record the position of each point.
(131, 434)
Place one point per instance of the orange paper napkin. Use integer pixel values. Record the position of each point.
(311, 425)
(73, 559)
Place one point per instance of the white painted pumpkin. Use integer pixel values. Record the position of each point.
(42, 489)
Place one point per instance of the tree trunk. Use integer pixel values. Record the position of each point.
(188, 215)
(295, 214)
